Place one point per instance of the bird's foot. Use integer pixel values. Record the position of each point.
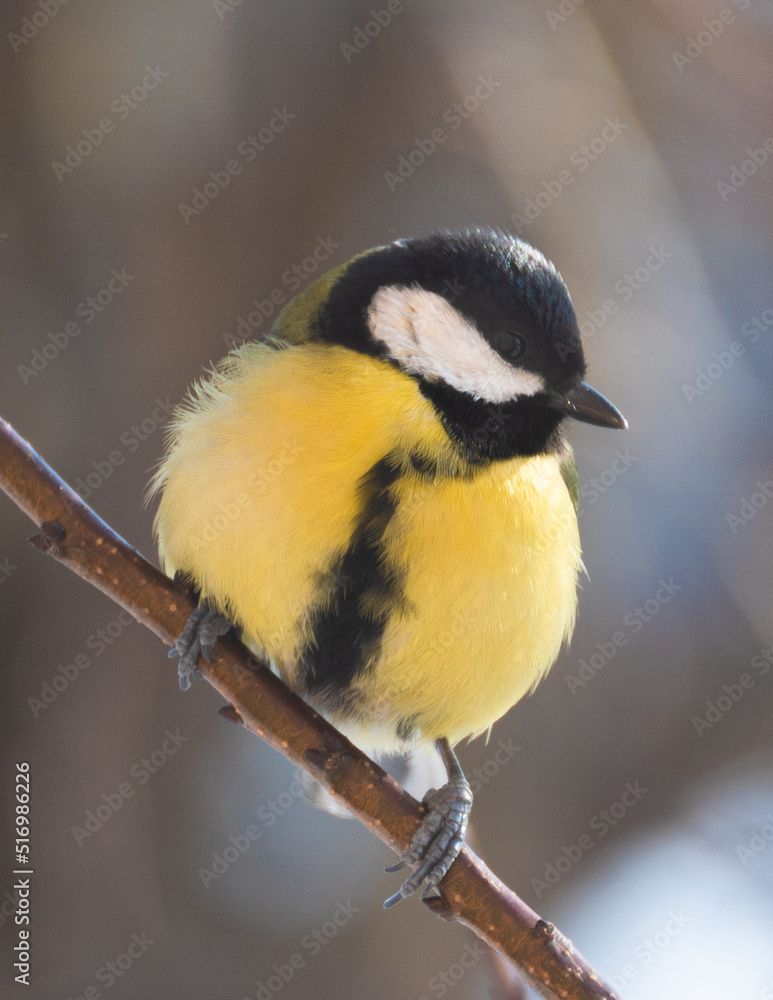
(438, 841)
(201, 632)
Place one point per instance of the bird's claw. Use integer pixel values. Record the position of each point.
(437, 842)
(202, 630)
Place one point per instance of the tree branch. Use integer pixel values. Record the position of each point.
(470, 893)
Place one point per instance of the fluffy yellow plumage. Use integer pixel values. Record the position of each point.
(259, 499)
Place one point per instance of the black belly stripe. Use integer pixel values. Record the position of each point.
(347, 632)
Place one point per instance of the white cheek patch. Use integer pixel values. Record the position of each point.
(428, 337)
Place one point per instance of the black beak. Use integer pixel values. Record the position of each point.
(584, 403)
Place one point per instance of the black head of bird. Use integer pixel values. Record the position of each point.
(480, 319)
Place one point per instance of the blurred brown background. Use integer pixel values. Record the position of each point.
(633, 143)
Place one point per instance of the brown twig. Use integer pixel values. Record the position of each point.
(75, 536)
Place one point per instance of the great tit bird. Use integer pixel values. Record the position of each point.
(379, 495)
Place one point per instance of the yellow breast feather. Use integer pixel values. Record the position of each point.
(259, 502)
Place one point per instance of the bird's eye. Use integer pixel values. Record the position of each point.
(511, 345)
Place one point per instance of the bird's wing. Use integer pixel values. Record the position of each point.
(296, 323)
